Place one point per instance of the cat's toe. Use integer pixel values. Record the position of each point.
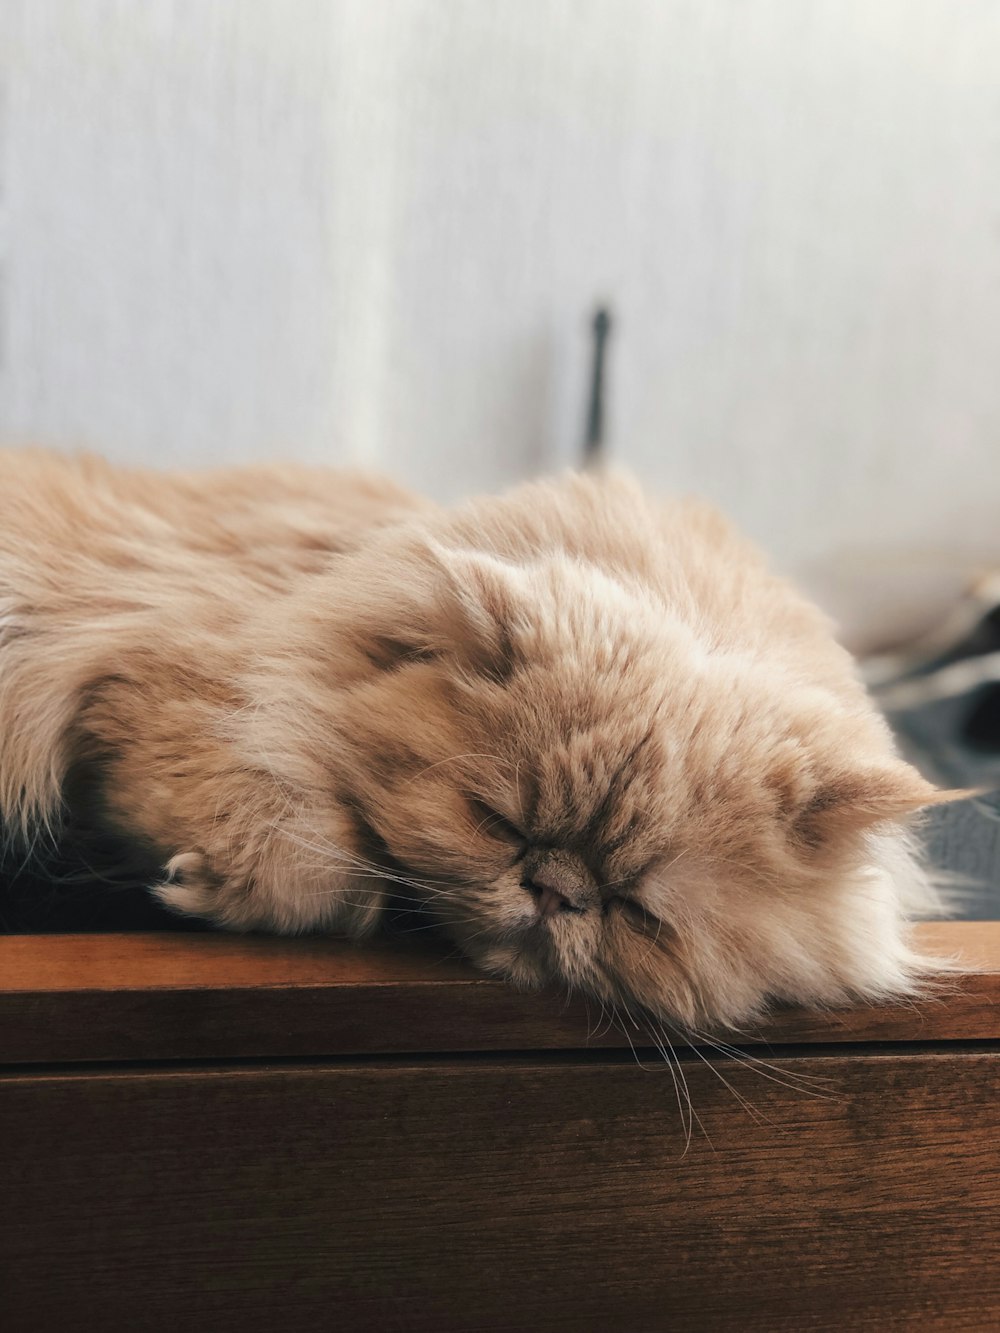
(187, 886)
(183, 867)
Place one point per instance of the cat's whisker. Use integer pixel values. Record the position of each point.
(353, 875)
(755, 1115)
(340, 895)
(38, 833)
(328, 848)
(686, 1122)
(742, 1058)
(618, 1023)
(655, 940)
(354, 871)
(338, 890)
(614, 883)
(360, 867)
(609, 1021)
(665, 1046)
(590, 1022)
(738, 1054)
(603, 1023)
(520, 794)
(432, 925)
(454, 759)
(504, 933)
(492, 818)
(355, 865)
(811, 1084)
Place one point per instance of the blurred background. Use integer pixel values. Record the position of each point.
(374, 232)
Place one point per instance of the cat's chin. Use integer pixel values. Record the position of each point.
(513, 962)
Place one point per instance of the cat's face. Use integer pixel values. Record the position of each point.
(589, 798)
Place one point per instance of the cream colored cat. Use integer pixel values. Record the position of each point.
(589, 733)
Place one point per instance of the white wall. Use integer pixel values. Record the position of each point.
(375, 230)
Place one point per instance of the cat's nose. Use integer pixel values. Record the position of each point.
(548, 900)
(555, 888)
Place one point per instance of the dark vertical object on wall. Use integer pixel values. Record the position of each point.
(593, 444)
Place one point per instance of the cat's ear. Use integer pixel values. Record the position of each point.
(436, 603)
(852, 800)
(478, 606)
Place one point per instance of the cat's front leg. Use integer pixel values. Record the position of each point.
(274, 890)
(250, 838)
(249, 856)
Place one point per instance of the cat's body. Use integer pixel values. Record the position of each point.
(590, 734)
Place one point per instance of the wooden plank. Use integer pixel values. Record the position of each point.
(490, 1195)
(163, 996)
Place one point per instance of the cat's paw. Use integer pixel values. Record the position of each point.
(188, 886)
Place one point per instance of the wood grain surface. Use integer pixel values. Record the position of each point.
(515, 1194)
(164, 996)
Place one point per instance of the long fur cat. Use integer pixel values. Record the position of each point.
(587, 732)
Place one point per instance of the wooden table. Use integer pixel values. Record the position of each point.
(209, 1132)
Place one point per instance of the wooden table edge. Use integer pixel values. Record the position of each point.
(194, 996)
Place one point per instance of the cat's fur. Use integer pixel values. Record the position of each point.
(588, 732)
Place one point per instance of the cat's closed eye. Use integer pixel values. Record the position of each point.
(631, 909)
(491, 822)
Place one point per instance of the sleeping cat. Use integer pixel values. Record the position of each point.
(587, 732)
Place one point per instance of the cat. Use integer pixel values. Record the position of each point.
(584, 730)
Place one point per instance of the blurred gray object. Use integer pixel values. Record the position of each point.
(942, 697)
